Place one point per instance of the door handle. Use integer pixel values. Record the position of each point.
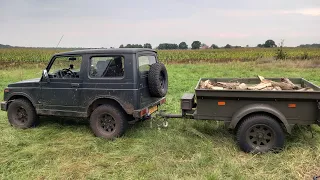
(75, 85)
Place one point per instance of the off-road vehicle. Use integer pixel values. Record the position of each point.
(110, 87)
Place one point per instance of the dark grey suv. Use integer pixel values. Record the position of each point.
(111, 87)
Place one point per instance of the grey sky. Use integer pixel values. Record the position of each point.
(106, 23)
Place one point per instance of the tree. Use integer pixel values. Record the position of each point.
(228, 46)
(133, 46)
(168, 46)
(213, 46)
(183, 45)
(147, 45)
(196, 45)
(121, 46)
(270, 43)
(260, 45)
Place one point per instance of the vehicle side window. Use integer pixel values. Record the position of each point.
(106, 66)
(145, 62)
(65, 67)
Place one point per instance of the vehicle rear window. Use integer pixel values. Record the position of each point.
(145, 62)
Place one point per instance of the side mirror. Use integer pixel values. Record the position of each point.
(45, 75)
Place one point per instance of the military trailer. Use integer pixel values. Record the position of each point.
(260, 118)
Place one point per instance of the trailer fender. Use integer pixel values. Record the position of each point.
(258, 108)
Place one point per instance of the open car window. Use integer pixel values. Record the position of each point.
(65, 62)
(65, 67)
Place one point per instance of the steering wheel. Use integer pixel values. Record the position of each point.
(65, 72)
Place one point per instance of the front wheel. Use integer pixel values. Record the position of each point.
(21, 114)
(108, 122)
(260, 133)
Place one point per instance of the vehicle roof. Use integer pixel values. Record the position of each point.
(106, 51)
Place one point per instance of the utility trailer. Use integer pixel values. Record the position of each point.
(260, 118)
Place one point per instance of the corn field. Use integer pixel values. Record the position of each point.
(172, 56)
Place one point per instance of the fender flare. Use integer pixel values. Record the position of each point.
(258, 108)
(128, 108)
(24, 95)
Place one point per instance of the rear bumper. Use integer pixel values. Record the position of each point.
(139, 113)
(4, 106)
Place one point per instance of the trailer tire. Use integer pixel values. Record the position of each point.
(158, 80)
(259, 134)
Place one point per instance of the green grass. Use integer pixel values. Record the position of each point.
(66, 149)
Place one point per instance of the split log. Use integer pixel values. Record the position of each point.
(263, 80)
(286, 80)
(276, 88)
(282, 85)
(242, 86)
(306, 89)
(227, 85)
(217, 88)
(260, 86)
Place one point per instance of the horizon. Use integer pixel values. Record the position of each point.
(112, 23)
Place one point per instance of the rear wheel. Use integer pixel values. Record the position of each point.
(260, 133)
(21, 114)
(108, 122)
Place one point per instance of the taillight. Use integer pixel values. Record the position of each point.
(143, 112)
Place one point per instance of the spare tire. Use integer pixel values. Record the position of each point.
(158, 80)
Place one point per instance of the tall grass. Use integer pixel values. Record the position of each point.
(60, 148)
(174, 56)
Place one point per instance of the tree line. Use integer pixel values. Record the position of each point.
(195, 45)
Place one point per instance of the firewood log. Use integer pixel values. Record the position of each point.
(227, 85)
(260, 86)
(286, 80)
(282, 85)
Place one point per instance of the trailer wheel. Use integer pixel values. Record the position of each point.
(260, 133)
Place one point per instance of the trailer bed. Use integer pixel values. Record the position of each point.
(297, 107)
(260, 94)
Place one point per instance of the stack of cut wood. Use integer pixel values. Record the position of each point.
(265, 84)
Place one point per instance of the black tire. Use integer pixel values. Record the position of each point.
(158, 80)
(260, 133)
(21, 114)
(108, 122)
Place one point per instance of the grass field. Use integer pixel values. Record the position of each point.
(175, 56)
(66, 149)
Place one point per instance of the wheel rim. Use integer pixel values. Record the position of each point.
(21, 115)
(162, 81)
(107, 123)
(260, 136)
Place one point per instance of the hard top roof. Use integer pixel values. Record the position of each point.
(105, 51)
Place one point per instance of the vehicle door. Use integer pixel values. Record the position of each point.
(61, 91)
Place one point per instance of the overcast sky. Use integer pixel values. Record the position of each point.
(106, 23)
